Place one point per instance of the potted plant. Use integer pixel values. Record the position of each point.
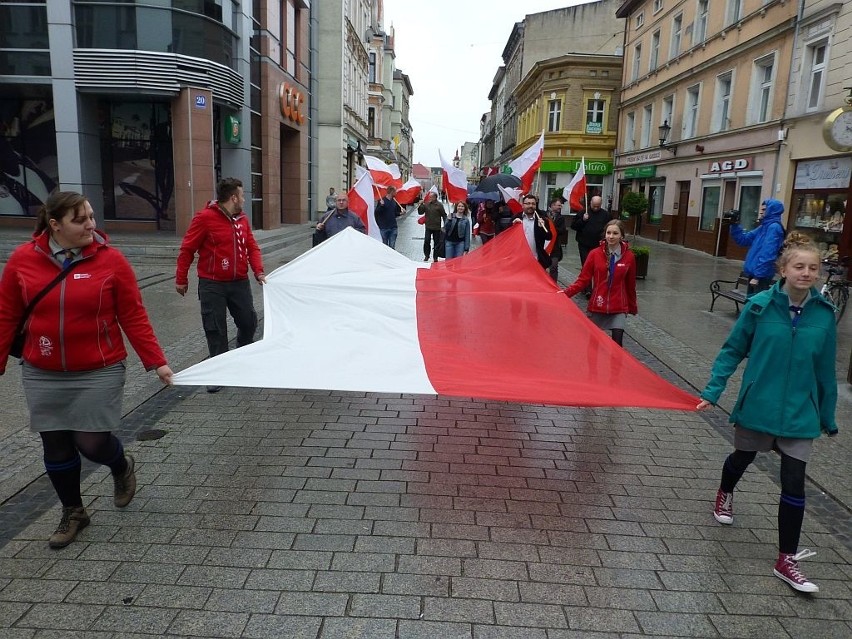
(640, 253)
(634, 204)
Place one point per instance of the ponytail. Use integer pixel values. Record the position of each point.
(56, 207)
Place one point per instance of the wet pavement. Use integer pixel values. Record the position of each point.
(308, 514)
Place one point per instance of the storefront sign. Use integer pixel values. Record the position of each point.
(737, 164)
(291, 100)
(593, 167)
(833, 173)
(233, 129)
(641, 158)
(647, 171)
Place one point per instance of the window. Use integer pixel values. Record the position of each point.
(677, 34)
(554, 115)
(709, 207)
(595, 115)
(647, 123)
(690, 114)
(658, 4)
(637, 61)
(815, 64)
(668, 112)
(760, 104)
(656, 193)
(655, 51)
(371, 122)
(722, 106)
(748, 205)
(371, 73)
(290, 58)
(640, 20)
(699, 32)
(734, 12)
(630, 132)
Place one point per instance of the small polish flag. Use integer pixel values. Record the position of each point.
(455, 181)
(512, 197)
(384, 175)
(526, 166)
(355, 315)
(408, 192)
(575, 192)
(363, 204)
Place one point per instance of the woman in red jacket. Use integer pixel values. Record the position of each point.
(73, 355)
(611, 271)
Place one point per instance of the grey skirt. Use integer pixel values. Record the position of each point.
(752, 440)
(87, 401)
(608, 321)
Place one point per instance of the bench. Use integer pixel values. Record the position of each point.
(722, 288)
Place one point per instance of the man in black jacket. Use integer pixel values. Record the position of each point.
(386, 212)
(555, 214)
(590, 227)
(536, 229)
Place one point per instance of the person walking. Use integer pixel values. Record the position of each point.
(386, 212)
(221, 235)
(486, 219)
(341, 218)
(457, 232)
(611, 272)
(764, 244)
(330, 199)
(536, 229)
(589, 226)
(73, 355)
(554, 213)
(435, 215)
(788, 395)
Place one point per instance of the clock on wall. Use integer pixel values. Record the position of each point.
(837, 129)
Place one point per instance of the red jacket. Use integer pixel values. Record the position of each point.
(77, 326)
(618, 297)
(225, 247)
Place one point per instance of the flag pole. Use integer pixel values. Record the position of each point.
(585, 190)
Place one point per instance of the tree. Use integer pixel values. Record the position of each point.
(634, 204)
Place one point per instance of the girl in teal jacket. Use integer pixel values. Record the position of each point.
(788, 393)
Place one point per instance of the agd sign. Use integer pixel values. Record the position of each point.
(737, 164)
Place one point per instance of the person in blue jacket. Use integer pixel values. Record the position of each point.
(788, 392)
(765, 243)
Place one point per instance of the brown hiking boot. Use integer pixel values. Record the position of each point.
(125, 484)
(74, 519)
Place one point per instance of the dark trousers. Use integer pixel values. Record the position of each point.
(584, 253)
(427, 242)
(216, 298)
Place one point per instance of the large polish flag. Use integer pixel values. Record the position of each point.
(527, 164)
(512, 198)
(455, 181)
(384, 175)
(354, 315)
(408, 192)
(362, 202)
(575, 192)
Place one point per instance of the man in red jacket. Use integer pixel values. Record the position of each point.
(221, 235)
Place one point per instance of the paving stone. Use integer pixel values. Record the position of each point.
(339, 581)
(405, 584)
(813, 628)
(209, 624)
(358, 628)
(250, 601)
(10, 612)
(55, 615)
(345, 543)
(394, 606)
(366, 562)
(490, 589)
(311, 604)
(452, 609)
(702, 602)
(429, 565)
(168, 596)
(431, 629)
(214, 576)
(748, 627)
(142, 572)
(600, 620)
(678, 625)
(29, 590)
(108, 593)
(280, 626)
(745, 604)
(493, 569)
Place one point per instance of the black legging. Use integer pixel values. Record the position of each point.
(62, 450)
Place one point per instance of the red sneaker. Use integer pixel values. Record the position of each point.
(787, 569)
(723, 511)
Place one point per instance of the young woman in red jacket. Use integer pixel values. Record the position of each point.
(73, 356)
(611, 271)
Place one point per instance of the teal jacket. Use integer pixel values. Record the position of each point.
(789, 386)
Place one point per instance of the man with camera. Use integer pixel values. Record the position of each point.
(764, 242)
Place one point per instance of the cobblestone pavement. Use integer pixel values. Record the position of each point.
(274, 513)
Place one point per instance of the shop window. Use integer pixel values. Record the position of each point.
(709, 207)
(656, 195)
(749, 203)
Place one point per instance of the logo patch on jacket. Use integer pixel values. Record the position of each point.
(599, 300)
(82, 276)
(45, 346)
(226, 263)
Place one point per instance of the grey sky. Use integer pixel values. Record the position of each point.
(451, 50)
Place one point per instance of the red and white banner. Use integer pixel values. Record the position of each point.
(575, 192)
(354, 315)
(455, 181)
(362, 202)
(384, 175)
(512, 198)
(526, 166)
(408, 192)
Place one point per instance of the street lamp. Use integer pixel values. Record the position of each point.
(665, 129)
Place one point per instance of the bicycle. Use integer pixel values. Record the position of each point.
(836, 288)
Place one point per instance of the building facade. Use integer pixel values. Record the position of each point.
(402, 135)
(224, 92)
(705, 86)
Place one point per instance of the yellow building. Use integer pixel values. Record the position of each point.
(574, 98)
